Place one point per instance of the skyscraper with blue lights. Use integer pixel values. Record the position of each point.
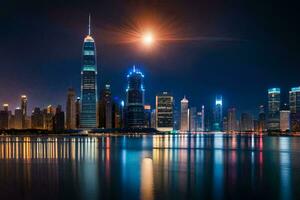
(88, 115)
(294, 96)
(274, 109)
(218, 113)
(135, 99)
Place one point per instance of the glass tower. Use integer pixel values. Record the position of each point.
(88, 115)
(274, 109)
(218, 113)
(294, 96)
(135, 99)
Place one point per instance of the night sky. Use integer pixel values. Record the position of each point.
(238, 49)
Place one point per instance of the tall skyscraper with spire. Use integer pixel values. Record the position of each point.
(88, 115)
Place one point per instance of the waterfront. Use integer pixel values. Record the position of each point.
(204, 166)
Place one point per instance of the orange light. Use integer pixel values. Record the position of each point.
(148, 39)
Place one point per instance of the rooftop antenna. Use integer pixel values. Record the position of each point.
(89, 23)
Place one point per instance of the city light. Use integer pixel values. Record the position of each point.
(148, 39)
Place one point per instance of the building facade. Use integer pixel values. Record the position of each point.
(294, 97)
(105, 108)
(274, 109)
(164, 104)
(71, 109)
(218, 113)
(184, 115)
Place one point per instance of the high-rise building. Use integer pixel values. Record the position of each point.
(218, 113)
(88, 115)
(135, 99)
(184, 115)
(262, 119)
(176, 116)
(164, 112)
(71, 109)
(199, 122)
(147, 111)
(274, 109)
(202, 118)
(232, 121)
(24, 102)
(4, 118)
(37, 120)
(153, 118)
(77, 112)
(18, 118)
(105, 108)
(193, 119)
(117, 113)
(285, 118)
(59, 119)
(246, 122)
(294, 96)
(48, 116)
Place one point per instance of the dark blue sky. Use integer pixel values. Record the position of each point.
(242, 48)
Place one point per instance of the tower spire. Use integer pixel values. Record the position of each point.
(89, 23)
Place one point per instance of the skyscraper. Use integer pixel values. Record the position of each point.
(164, 112)
(184, 115)
(4, 117)
(193, 119)
(262, 119)
(218, 113)
(77, 112)
(246, 122)
(18, 118)
(285, 121)
(147, 111)
(70, 109)
(37, 121)
(88, 115)
(274, 109)
(232, 123)
(135, 99)
(24, 102)
(59, 119)
(105, 108)
(294, 96)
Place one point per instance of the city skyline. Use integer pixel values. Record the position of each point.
(56, 66)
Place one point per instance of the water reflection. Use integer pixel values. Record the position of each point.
(150, 167)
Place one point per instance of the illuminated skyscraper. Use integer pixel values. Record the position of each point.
(218, 113)
(274, 109)
(88, 115)
(77, 112)
(24, 102)
(294, 96)
(147, 111)
(18, 118)
(4, 117)
(59, 119)
(37, 121)
(262, 119)
(164, 112)
(193, 119)
(184, 115)
(70, 109)
(285, 118)
(135, 99)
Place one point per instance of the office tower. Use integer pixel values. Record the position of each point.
(285, 118)
(199, 121)
(105, 108)
(135, 99)
(77, 112)
(4, 116)
(274, 109)
(37, 120)
(184, 115)
(225, 124)
(294, 97)
(232, 123)
(176, 116)
(147, 111)
(164, 112)
(48, 116)
(24, 102)
(193, 119)
(18, 118)
(71, 109)
(246, 122)
(218, 113)
(59, 119)
(203, 118)
(88, 115)
(117, 113)
(153, 118)
(262, 119)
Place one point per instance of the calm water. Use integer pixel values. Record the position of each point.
(150, 167)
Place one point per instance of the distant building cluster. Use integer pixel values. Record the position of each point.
(92, 110)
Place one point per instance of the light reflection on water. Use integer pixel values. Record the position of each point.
(212, 166)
